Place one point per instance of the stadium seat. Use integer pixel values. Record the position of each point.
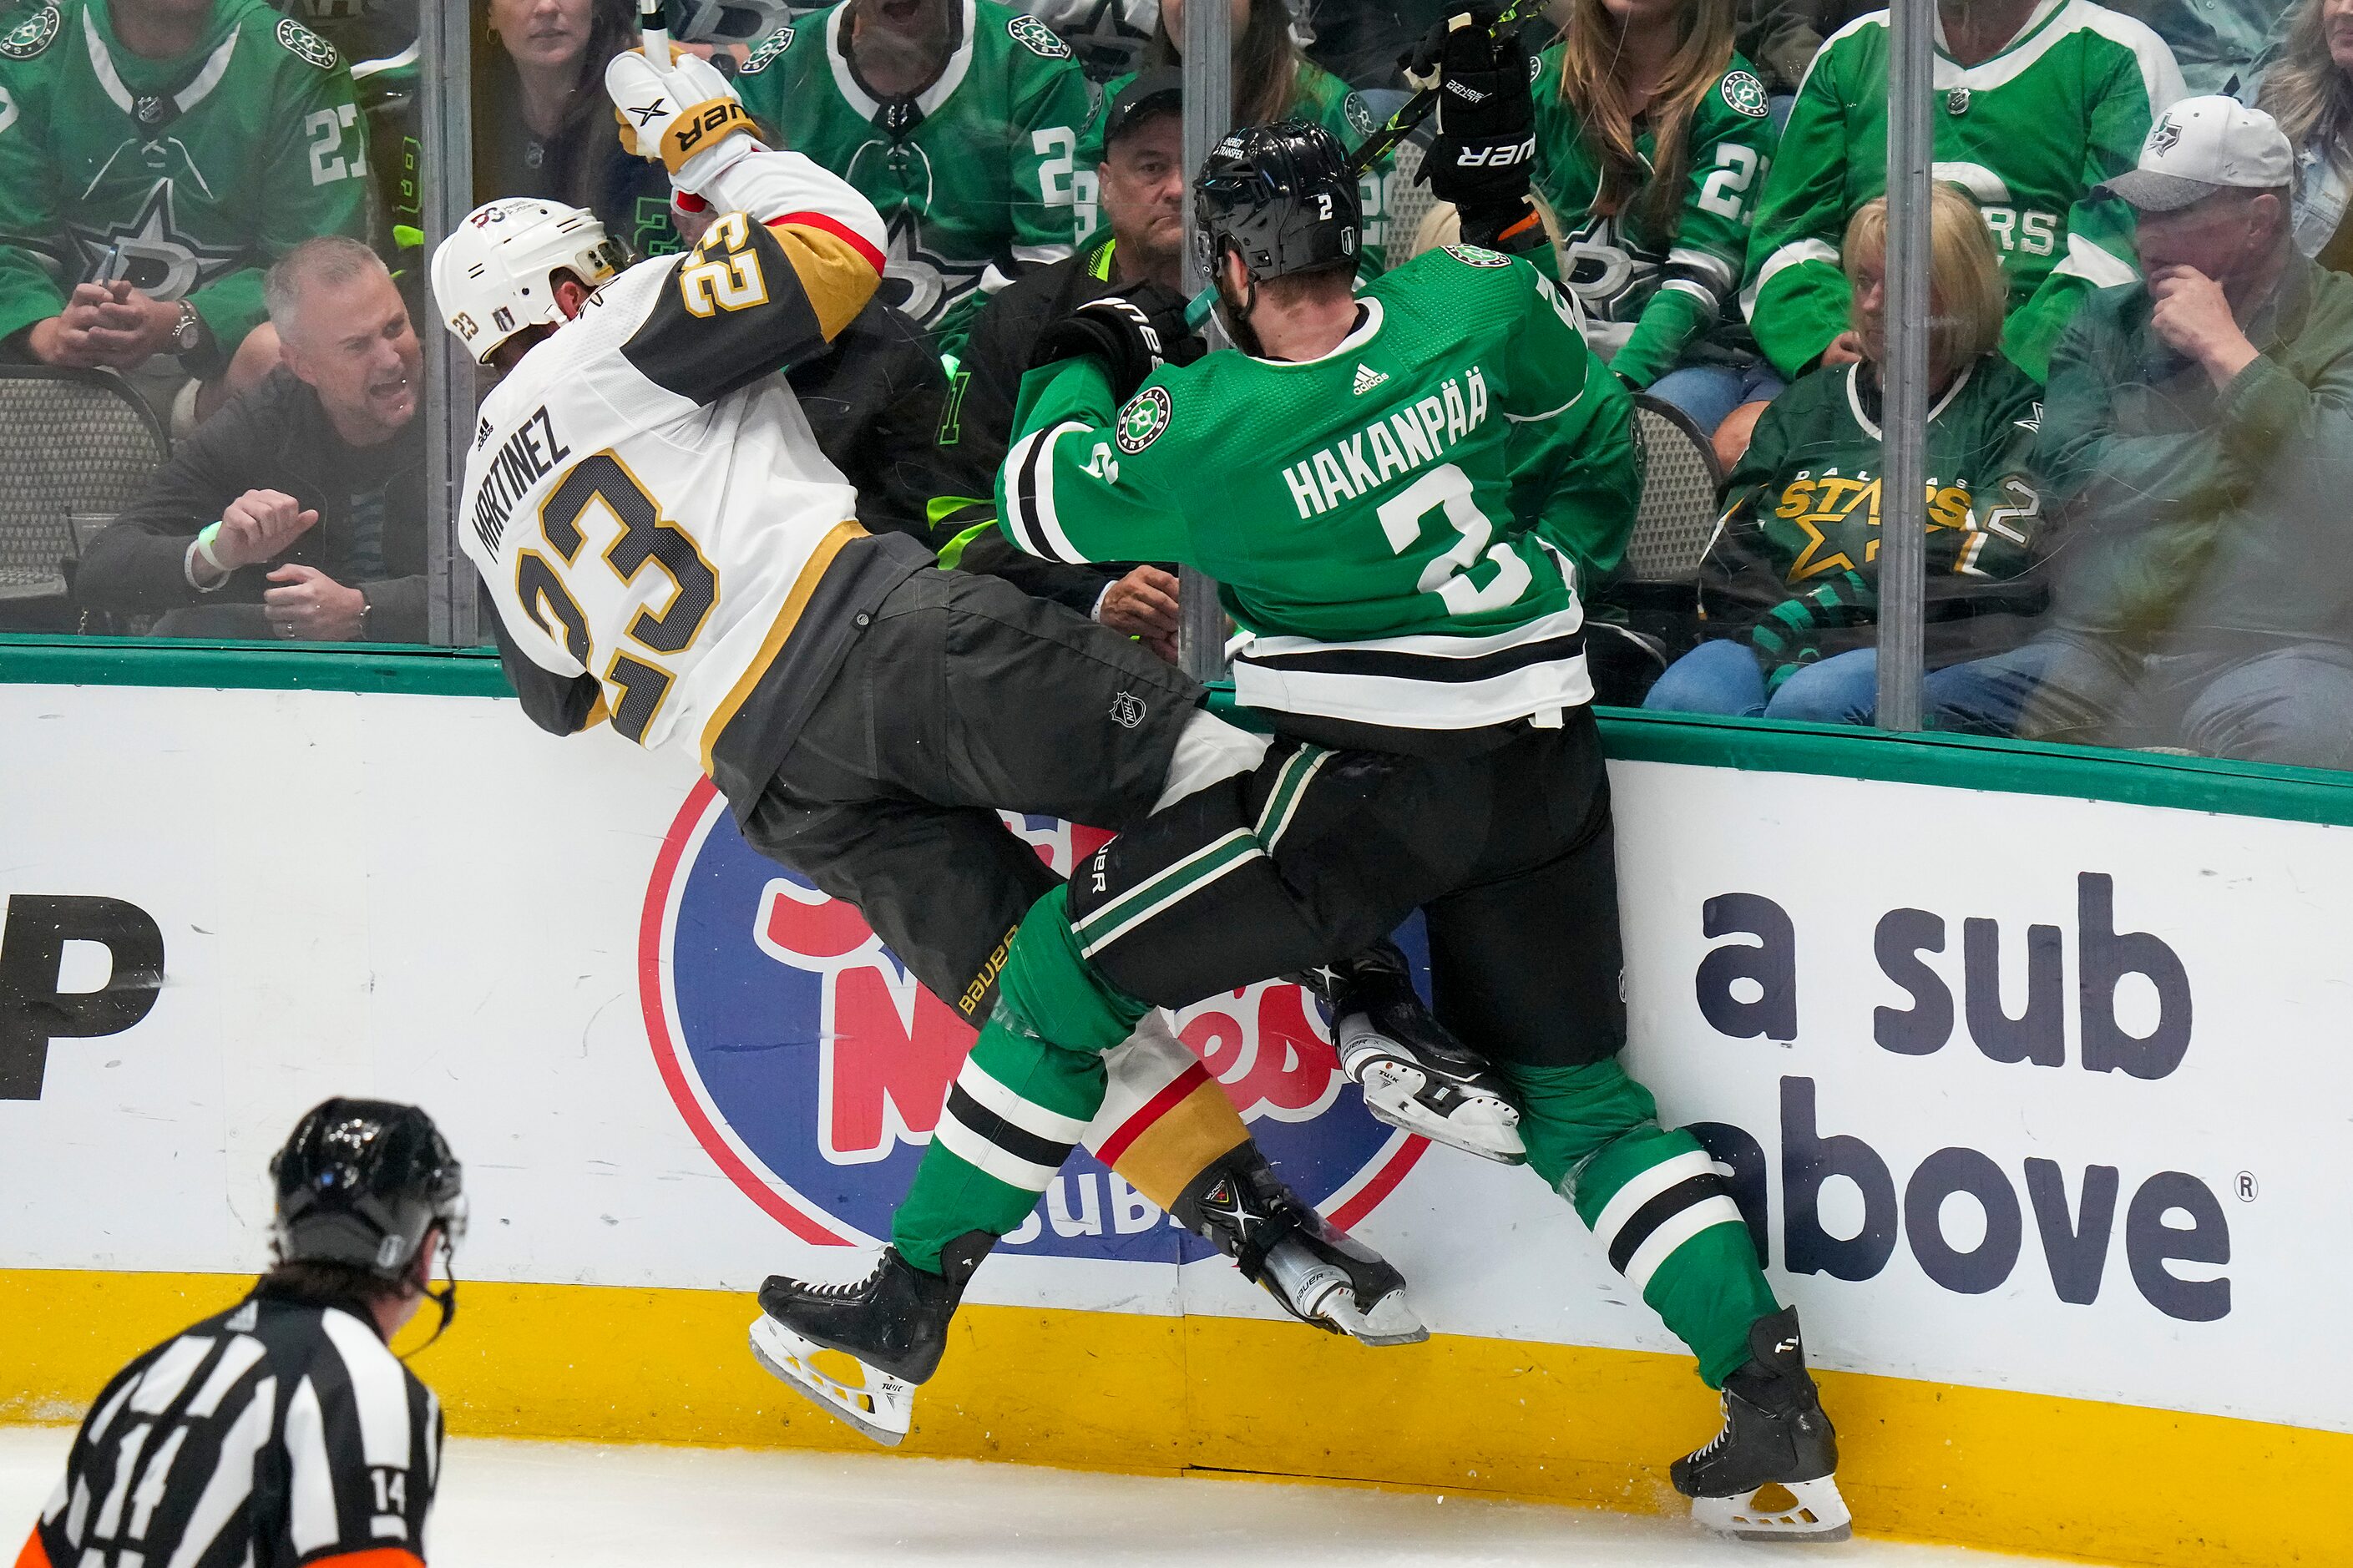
(1680, 481)
(72, 442)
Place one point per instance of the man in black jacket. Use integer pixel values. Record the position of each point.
(1143, 177)
(298, 510)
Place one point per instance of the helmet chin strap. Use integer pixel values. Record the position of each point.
(447, 1298)
(1238, 312)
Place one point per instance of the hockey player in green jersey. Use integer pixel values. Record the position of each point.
(155, 157)
(1400, 491)
(1790, 583)
(1272, 80)
(2036, 102)
(957, 119)
(1655, 191)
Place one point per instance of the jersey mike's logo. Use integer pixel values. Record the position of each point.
(812, 1068)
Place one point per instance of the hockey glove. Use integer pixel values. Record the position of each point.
(677, 113)
(1486, 122)
(1135, 333)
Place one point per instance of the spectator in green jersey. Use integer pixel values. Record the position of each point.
(1789, 586)
(155, 157)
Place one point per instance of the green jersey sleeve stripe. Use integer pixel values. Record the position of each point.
(1796, 253)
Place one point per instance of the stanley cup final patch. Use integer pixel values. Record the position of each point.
(1141, 422)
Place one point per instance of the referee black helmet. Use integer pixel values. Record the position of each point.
(360, 1183)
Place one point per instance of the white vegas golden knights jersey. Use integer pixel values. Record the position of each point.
(663, 542)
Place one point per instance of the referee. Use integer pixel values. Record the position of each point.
(284, 1431)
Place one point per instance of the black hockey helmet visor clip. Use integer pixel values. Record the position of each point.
(361, 1183)
(1281, 197)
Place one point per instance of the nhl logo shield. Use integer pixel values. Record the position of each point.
(148, 110)
(1141, 422)
(1957, 100)
(1127, 711)
(812, 1068)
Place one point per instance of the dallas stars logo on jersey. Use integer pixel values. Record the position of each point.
(1142, 420)
(150, 250)
(29, 37)
(1037, 39)
(1745, 94)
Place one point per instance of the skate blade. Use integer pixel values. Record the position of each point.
(1391, 1321)
(883, 1408)
(1819, 1514)
(1490, 1133)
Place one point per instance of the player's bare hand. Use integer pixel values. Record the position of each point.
(1143, 604)
(314, 606)
(258, 525)
(2193, 317)
(1846, 349)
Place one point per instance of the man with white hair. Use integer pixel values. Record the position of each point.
(298, 511)
(2196, 450)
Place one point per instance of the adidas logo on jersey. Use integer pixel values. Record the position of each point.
(1369, 378)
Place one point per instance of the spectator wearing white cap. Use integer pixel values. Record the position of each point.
(2197, 451)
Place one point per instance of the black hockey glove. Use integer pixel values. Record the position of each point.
(1486, 119)
(1135, 332)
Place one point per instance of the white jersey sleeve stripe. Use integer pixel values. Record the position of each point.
(232, 1478)
(311, 1519)
(235, 1361)
(379, 1390)
(126, 1464)
(168, 1373)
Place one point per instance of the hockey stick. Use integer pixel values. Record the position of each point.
(653, 32)
(1420, 106)
(1378, 145)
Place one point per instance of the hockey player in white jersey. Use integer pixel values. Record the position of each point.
(666, 549)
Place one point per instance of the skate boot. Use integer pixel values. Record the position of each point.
(1320, 1275)
(889, 1327)
(1414, 1074)
(1775, 1434)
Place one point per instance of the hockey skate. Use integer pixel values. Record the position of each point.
(1775, 1435)
(1414, 1074)
(1319, 1275)
(892, 1326)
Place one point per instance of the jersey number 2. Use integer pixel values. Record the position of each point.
(1447, 489)
(646, 538)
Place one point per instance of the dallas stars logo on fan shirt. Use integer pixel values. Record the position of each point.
(150, 251)
(1141, 422)
(1745, 94)
(30, 36)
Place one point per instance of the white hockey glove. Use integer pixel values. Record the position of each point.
(682, 114)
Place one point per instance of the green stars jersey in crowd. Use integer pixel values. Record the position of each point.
(1398, 526)
(2028, 133)
(1670, 283)
(979, 177)
(187, 176)
(1795, 567)
(1322, 98)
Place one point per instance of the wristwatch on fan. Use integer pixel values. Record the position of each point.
(185, 335)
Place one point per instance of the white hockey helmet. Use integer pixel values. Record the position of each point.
(491, 277)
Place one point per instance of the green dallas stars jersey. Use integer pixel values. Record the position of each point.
(1398, 527)
(1324, 99)
(187, 176)
(2028, 133)
(1795, 565)
(1669, 284)
(980, 186)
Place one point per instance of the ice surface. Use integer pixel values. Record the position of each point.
(510, 1505)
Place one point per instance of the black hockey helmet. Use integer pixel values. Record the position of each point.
(359, 1182)
(1281, 197)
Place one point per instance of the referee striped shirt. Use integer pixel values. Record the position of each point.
(277, 1435)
